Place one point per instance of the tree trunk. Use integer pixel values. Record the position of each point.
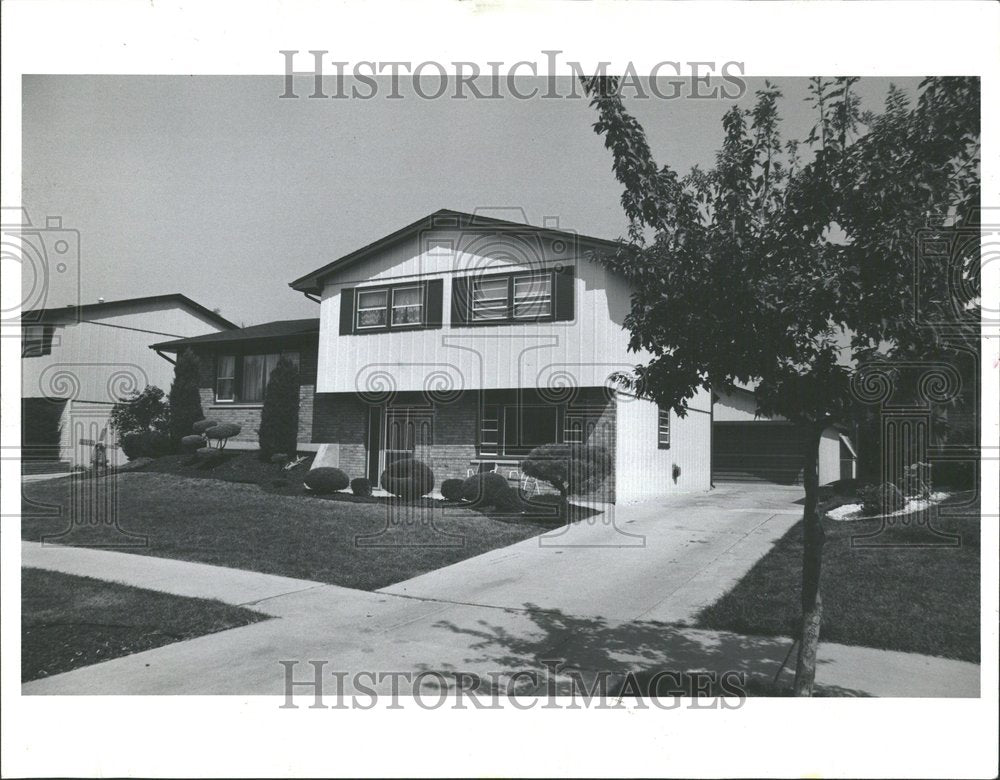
(812, 559)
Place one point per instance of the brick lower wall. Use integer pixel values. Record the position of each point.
(247, 416)
(341, 419)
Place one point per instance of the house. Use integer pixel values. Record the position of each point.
(77, 361)
(234, 368)
(466, 341)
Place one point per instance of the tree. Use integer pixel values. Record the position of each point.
(279, 419)
(185, 398)
(788, 274)
(141, 412)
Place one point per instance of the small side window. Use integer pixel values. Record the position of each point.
(663, 429)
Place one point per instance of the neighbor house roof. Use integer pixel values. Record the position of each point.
(81, 311)
(281, 329)
(441, 219)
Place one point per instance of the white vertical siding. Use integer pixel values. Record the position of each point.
(642, 469)
(585, 351)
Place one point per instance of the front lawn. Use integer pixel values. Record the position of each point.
(906, 593)
(69, 621)
(356, 543)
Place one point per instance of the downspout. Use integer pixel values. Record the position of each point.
(711, 433)
(312, 297)
(168, 359)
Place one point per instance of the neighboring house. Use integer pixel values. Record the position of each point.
(77, 361)
(466, 341)
(235, 366)
(746, 448)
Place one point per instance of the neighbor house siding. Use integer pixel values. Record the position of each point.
(98, 361)
(829, 457)
(643, 468)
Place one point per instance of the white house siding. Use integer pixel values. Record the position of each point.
(643, 469)
(585, 351)
(95, 362)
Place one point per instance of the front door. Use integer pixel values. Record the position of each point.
(404, 430)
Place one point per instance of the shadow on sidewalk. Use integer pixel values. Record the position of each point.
(571, 649)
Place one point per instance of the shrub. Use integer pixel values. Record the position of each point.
(203, 425)
(881, 499)
(483, 489)
(326, 480)
(452, 489)
(571, 469)
(222, 434)
(361, 487)
(279, 419)
(145, 444)
(185, 398)
(408, 478)
(137, 415)
(139, 412)
(917, 480)
(193, 443)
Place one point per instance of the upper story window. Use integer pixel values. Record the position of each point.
(36, 340)
(243, 378)
(496, 299)
(390, 307)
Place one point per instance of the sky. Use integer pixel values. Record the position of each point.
(213, 187)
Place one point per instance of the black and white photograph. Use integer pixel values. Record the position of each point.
(479, 395)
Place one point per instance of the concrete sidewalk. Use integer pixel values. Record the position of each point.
(356, 631)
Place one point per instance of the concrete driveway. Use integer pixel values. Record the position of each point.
(660, 560)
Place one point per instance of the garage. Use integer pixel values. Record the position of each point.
(760, 451)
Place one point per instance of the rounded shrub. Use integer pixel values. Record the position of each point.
(203, 425)
(361, 487)
(326, 480)
(145, 444)
(484, 489)
(223, 431)
(452, 489)
(193, 443)
(881, 499)
(408, 478)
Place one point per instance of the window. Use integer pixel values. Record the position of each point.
(36, 340)
(390, 307)
(512, 297)
(372, 308)
(663, 429)
(515, 430)
(489, 299)
(243, 378)
(408, 305)
(532, 296)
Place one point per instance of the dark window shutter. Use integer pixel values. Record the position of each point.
(435, 303)
(460, 300)
(346, 311)
(565, 293)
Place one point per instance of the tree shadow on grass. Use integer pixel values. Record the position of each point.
(565, 652)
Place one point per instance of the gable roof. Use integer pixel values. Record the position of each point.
(442, 218)
(79, 312)
(280, 329)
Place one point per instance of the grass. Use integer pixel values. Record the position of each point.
(908, 593)
(68, 621)
(357, 543)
